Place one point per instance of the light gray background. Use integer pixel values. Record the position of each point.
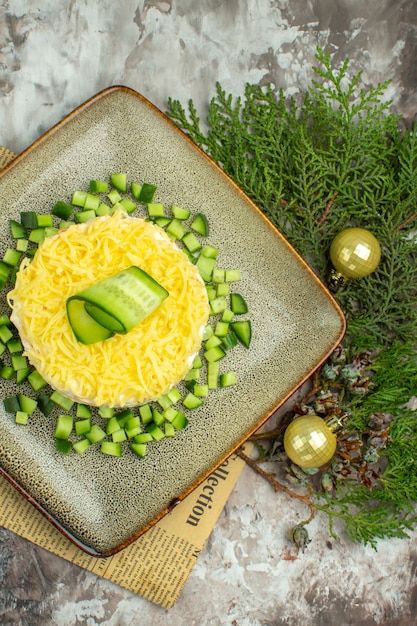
(53, 56)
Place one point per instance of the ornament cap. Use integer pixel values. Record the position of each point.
(335, 423)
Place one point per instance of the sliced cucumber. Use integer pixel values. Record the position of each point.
(84, 327)
(115, 304)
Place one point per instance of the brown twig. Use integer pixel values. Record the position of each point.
(403, 224)
(327, 209)
(278, 486)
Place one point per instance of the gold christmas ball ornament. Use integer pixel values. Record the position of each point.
(310, 440)
(354, 253)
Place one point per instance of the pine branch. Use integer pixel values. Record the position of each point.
(339, 159)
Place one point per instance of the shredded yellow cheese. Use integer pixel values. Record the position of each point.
(124, 370)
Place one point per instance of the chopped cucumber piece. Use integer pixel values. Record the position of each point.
(78, 198)
(119, 181)
(18, 230)
(102, 209)
(156, 209)
(106, 411)
(92, 202)
(200, 224)
(223, 289)
(205, 266)
(210, 251)
(7, 372)
(147, 193)
(14, 345)
(228, 379)
(83, 411)
(5, 334)
(230, 340)
(218, 305)
(11, 257)
(37, 235)
(64, 446)
(22, 374)
(119, 435)
(62, 210)
(214, 354)
(19, 362)
(180, 421)
(135, 189)
(36, 381)
(112, 425)
(232, 276)
(218, 275)
(21, 418)
(44, 220)
(168, 415)
(174, 395)
(139, 449)
(213, 341)
(227, 315)
(243, 331)
(81, 446)
(11, 405)
(84, 216)
(201, 391)
(155, 431)
(114, 196)
(179, 213)
(169, 430)
(64, 425)
(213, 369)
(22, 245)
(191, 242)
(45, 404)
(221, 329)
(175, 229)
(98, 186)
(95, 434)
(28, 405)
(191, 401)
(62, 401)
(127, 205)
(238, 304)
(145, 412)
(162, 221)
(29, 219)
(192, 374)
(111, 447)
(82, 427)
(208, 332)
(143, 438)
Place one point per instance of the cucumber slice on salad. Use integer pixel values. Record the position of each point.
(115, 304)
